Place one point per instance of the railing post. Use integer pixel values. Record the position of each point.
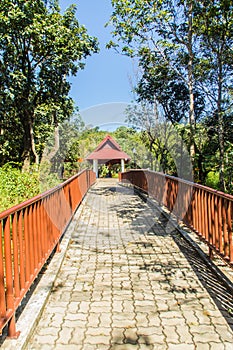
(9, 279)
(211, 255)
(2, 282)
(58, 247)
(12, 333)
(229, 228)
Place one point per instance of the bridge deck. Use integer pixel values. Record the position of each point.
(129, 282)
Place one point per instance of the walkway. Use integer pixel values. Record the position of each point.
(127, 282)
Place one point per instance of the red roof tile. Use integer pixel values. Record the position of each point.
(108, 149)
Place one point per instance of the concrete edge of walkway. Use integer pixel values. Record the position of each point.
(172, 220)
(30, 316)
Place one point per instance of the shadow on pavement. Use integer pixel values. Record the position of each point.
(218, 291)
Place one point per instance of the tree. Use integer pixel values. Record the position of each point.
(159, 82)
(164, 29)
(182, 46)
(161, 138)
(39, 49)
(214, 25)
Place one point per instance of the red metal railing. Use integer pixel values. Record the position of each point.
(207, 212)
(29, 234)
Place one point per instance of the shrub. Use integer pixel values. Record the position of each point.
(212, 180)
(47, 178)
(16, 186)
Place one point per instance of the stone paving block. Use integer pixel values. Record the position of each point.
(124, 347)
(105, 319)
(58, 318)
(155, 338)
(65, 335)
(204, 329)
(202, 346)
(142, 319)
(147, 331)
(44, 340)
(206, 337)
(184, 334)
(186, 346)
(97, 339)
(73, 307)
(131, 332)
(154, 320)
(146, 346)
(171, 334)
(102, 347)
(118, 323)
(117, 336)
(77, 336)
(74, 323)
(99, 331)
(190, 316)
(224, 333)
(83, 306)
(147, 304)
(203, 316)
(170, 321)
(51, 309)
(228, 346)
(53, 331)
(170, 314)
(121, 316)
(159, 346)
(98, 309)
(56, 322)
(102, 305)
(68, 347)
(215, 346)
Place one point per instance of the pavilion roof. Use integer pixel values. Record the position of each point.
(108, 149)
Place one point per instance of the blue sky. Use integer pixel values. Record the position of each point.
(106, 76)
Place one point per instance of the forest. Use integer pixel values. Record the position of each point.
(182, 91)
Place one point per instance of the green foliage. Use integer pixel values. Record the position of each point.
(212, 180)
(39, 49)
(17, 186)
(47, 179)
(104, 171)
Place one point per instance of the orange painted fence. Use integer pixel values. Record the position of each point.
(30, 232)
(207, 212)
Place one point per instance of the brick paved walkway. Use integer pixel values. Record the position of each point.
(126, 283)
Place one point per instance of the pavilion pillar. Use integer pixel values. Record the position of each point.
(122, 165)
(95, 167)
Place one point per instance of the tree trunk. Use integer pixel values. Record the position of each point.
(220, 129)
(33, 146)
(27, 144)
(190, 81)
(47, 156)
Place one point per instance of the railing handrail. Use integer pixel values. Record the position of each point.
(39, 196)
(29, 233)
(206, 211)
(194, 184)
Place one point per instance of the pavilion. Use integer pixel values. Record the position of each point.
(108, 152)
